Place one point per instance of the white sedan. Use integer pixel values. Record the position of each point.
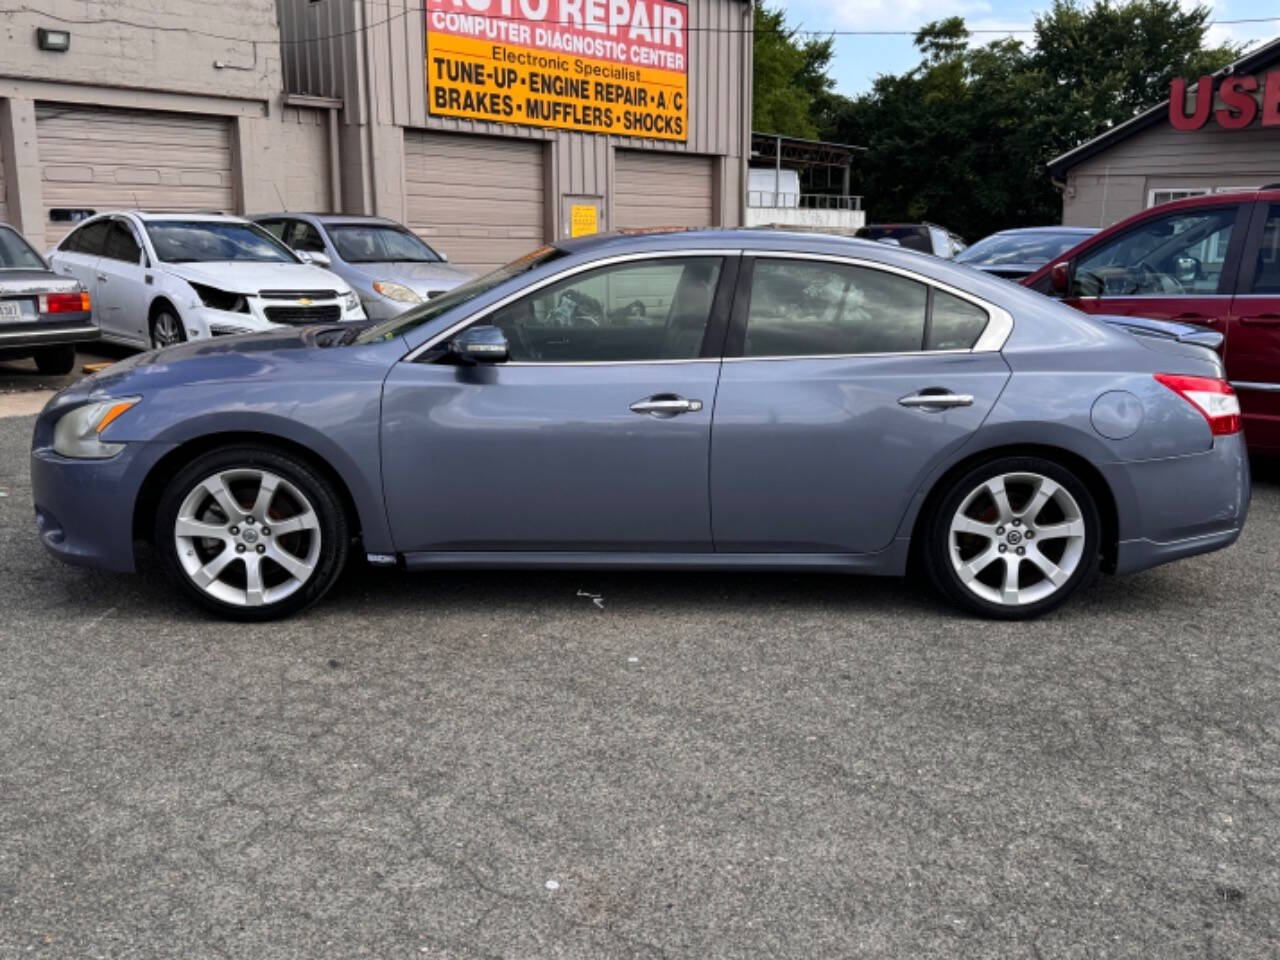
(159, 279)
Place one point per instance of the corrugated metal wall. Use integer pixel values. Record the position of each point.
(4, 209)
(395, 43)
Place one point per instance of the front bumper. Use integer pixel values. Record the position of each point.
(202, 321)
(84, 508)
(1184, 506)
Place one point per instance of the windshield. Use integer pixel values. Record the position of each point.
(15, 254)
(378, 243)
(207, 241)
(1033, 249)
(417, 316)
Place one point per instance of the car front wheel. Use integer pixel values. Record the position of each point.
(1013, 538)
(251, 533)
(166, 329)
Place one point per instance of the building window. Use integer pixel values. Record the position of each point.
(1157, 197)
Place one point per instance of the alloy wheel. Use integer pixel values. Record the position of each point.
(166, 330)
(247, 537)
(1016, 538)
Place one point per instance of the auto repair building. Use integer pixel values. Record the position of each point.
(493, 126)
(158, 106)
(1185, 146)
(489, 126)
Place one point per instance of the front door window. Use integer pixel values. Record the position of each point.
(1166, 256)
(634, 311)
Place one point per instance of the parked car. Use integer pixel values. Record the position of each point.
(1211, 260)
(42, 315)
(1014, 254)
(924, 237)
(161, 278)
(389, 266)
(867, 403)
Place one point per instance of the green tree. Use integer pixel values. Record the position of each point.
(963, 138)
(790, 80)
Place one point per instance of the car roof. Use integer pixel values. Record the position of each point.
(327, 218)
(1083, 231)
(159, 216)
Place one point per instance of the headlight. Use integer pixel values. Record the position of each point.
(220, 299)
(350, 302)
(396, 291)
(77, 433)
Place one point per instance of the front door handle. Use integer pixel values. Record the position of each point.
(939, 400)
(666, 405)
(101, 278)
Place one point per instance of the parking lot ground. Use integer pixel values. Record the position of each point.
(493, 765)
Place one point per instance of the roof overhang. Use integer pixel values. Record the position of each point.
(1263, 57)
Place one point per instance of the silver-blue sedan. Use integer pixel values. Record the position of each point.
(703, 400)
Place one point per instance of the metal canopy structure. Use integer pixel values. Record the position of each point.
(806, 156)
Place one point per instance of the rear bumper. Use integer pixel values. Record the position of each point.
(84, 508)
(1183, 506)
(29, 336)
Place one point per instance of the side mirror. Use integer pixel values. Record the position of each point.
(1186, 269)
(480, 344)
(1060, 277)
(317, 257)
(444, 257)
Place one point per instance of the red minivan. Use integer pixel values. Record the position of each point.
(1212, 260)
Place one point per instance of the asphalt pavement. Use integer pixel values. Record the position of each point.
(695, 766)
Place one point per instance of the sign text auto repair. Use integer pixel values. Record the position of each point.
(603, 66)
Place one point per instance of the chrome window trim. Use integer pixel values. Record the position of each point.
(1253, 385)
(991, 340)
(959, 352)
(1154, 296)
(556, 278)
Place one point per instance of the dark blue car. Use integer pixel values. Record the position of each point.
(705, 400)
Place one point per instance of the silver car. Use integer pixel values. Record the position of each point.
(388, 265)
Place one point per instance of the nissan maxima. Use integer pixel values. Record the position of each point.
(724, 400)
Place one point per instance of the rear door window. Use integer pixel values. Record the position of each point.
(1266, 275)
(88, 240)
(802, 308)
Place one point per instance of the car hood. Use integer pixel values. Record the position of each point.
(238, 276)
(421, 278)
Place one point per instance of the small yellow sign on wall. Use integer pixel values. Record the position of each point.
(582, 220)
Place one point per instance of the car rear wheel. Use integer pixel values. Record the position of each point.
(56, 361)
(251, 533)
(166, 329)
(1013, 538)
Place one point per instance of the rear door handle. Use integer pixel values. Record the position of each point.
(101, 278)
(940, 400)
(666, 405)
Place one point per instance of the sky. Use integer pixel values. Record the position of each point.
(858, 60)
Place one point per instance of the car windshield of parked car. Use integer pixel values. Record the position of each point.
(197, 241)
(374, 243)
(15, 254)
(1032, 249)
(438, 306)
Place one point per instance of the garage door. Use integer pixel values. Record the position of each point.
(478, 199)
(96, 159)
(661, 190)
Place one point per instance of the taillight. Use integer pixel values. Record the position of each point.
(64, 303)
(1215, 400)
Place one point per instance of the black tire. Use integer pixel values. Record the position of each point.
(166, 316)
(936, 551)
(56, 361)
(333, 527)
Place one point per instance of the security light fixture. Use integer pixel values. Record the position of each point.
(58, 41)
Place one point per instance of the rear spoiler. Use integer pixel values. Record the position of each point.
(1166, 330)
